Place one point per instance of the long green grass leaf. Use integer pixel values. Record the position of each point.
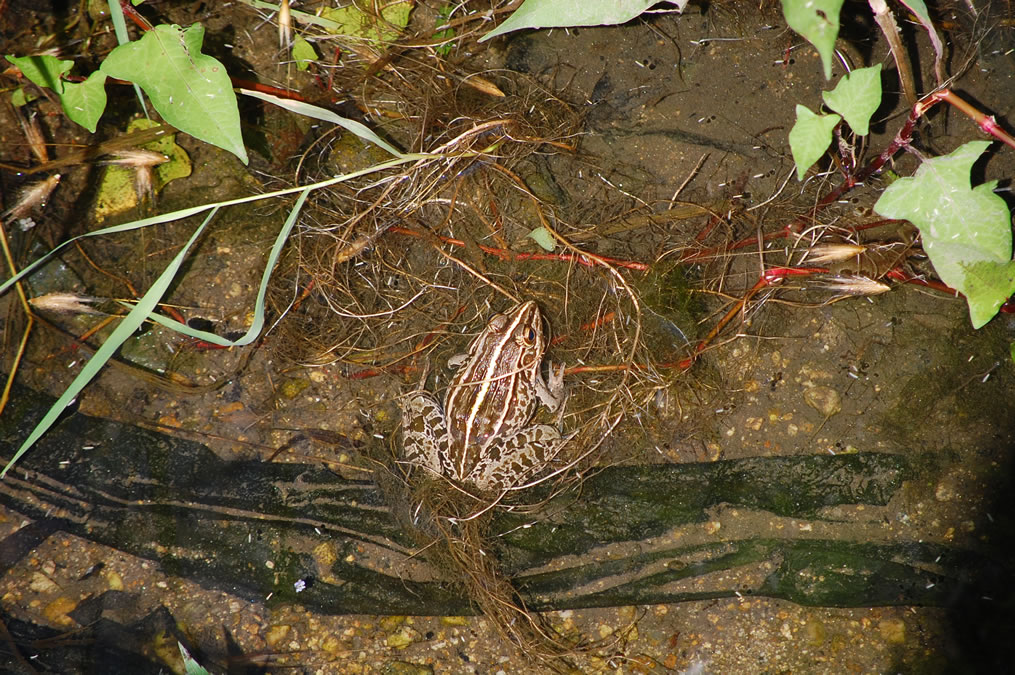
(120, 334)
(258, 323)
(325, 115)
(194, 210)
(144, 309)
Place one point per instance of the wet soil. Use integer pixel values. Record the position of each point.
(676, 110)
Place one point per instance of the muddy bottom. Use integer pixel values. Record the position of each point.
(674, 110)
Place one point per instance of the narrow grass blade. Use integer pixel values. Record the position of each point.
(122, 38)
(194, 210)
(124, 330)
(269, 267)
(316, 112)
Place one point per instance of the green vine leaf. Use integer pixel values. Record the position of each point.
(567, 13)
(857, 97)
(818, 22)
(190, 90)
(43, 70)
(809, 138)
(966, 231)
(988, 286)
(365, 24)
(84, 102)
(20, 97)
(303, 53)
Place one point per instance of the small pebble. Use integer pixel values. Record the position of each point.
(823, 399)
(401, 639)
(40, 583)
(893, 631)
(276, 634)
(56, 612)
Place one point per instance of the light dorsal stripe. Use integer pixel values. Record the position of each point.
(492, 360)
(492, 363)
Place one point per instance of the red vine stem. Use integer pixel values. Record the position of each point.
(505, 254)
(769, 277)
(902, 139)
(135, 16)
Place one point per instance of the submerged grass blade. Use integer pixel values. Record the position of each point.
(258, 323)
(128, 325)
(316, 112)
(144, 310)
(194, 210)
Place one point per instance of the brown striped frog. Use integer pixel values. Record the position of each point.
(483, 433)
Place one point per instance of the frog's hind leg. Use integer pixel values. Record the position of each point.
(425, 437)
(516, 459)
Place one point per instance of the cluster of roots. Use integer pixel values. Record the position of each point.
(396, 268)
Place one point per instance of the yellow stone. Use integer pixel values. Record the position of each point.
(390, 623)
(324, 555)
(825, 400)
(276, 634)
(40, 583)
(400, 640)
(56, 611)
(815, 630)
(893, 631)
(332, 644)
(114, 581)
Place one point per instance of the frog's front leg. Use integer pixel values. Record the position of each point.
(551, 391)
(426, 440)
(514, 460)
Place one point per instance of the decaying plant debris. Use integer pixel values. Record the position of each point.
(393, 271)
(391, 274)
